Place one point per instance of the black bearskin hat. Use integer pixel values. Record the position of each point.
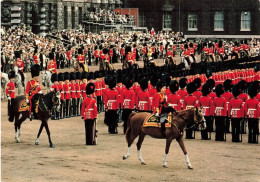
(11, 74)
(220, 43)
(160, 84)
(84, 75)
(105, 51)
(236, 90)
(90, 88)
(174, 86)
(54, 77)
(80, 51)
(96, 74)
(242, 84)
(72, 76)
(219, 90)
(228, 84)
(191, 87)
(252, 91)
(206, 89)
(153, 81)
(53, 50)
(183, 82)
(61, 77)
(90, 76)
(128, 81)
(191, 45)
(51, 56)
(66, 76)
(17, 54)
(197, 82)
(112, 81)
(186, 46)
(211, 83)
(78, 76)
(144, 83)
(35, 70)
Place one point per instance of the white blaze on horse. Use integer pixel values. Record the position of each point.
(138, 125)
(18, 80)
(4, 82)
(46, 80)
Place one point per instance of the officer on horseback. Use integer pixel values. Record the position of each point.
(33, 87)
(10, 90)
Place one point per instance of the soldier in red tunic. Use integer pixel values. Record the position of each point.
(81, 57)
(60, 85)
(54, 87)
(243, 96)
(36, 56)
(33, 87)
(89, 114)
(252, 112)
(96, 54)
(83, 85)
(52, 66)
(236, 112)
(182, 92)
(197, 93)
(78, 93)
(98, 90)
(19, 63)
(127, 100)
(143, 97)
(220, 112)
(66, 88)
(69, 56)
(174, 99)
(72, 86)
(10, 91)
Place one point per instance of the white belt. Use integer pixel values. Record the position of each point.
(143, 102)
(248, 112)
(90, 109)
(11, 90)
(83, 91)
(111, 100)
(219, 107)
(236, 109)
(173, 105)
(205, 107)
(127, 100)
(67, 92)
(61, 92)
(189, 107)
(98, 89)
(73, 91)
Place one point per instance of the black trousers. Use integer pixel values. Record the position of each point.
(73, 107)
(205, 134)
(99, 103)
(220, 128)
(78, 109)
(235, 123)
(125, 115)
(67, 105)
(61, 113)
(90, 131)
(111, 120)
(253, 130)
(10, 102)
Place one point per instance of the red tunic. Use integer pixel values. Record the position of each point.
(152, 92)
(72, 90)
(197, 94)
(236, 108)
(66, 88)
(207, 105)
(143, 102)
(54, 87)
(52, 67)
(189, 102)
(243, 97)
(19, 63)
(175, 101)
(32, 88)
(78, 91)
(159, 100)
(10, 90)
(128, 99)
(81, 59)
(98, 89)
(252, 108)
(36, 59)
(83, 90)
(96, 53)
(219, 106)
(61, 91)
(212, 95)
(111, 100)
(69, 55)
(89, 108)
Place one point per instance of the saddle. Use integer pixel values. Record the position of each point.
(155, 121)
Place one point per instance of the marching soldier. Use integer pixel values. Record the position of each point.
(243, 96)
(33, 87)
(66, 88)
(19, 63)
(80, 57)
(54, 87)
(69, 56)
(10, 91)
(98, 90)
(252, 111)
(72, 86)
(89, 114)
(96, 54)
(174, 99)
(62, 98)
(127, 100)
(78, 93)
(152, 90)
(52, 66)
(36, 56)
(236, 112)
(143, 103)
(182, 92)
(197, 93)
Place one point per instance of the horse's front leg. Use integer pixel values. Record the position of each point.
(181, 143)
(38, 136)
(48, 133)
(139, 144)
(168, 144)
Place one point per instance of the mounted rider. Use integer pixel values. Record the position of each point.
(33, 87)
(52, 66)
(19, 63)
(10, 90)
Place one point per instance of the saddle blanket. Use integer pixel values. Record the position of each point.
(151, 121)
(23, 106)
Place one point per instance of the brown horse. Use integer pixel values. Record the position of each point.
(179, 121)
(46, 104)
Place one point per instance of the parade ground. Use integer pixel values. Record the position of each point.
(72, 160)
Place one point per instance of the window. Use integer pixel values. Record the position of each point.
(80, 15)
(167, 20)
(142, 19)
(245, 21)
(65, 17)
(192, 22)
(219, 21)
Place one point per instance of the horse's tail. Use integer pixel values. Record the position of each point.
(128, 131)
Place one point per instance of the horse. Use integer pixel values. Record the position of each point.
(18, 80)
(46, 104)
(175, 131)
(79, 67)
(4, 82)
(46, 80)
(185, 62)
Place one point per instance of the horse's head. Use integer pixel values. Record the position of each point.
(199, 118)
(56, 100)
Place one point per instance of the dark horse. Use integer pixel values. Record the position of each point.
(46, 104)
(179, 121)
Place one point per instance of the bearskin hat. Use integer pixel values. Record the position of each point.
(35, 70)
(206, 89)
(119, 79)
(100, 47)
(90, 76)
(167, 79)
(197, 82)
(66, 76)
(100, 74)
(17, 54)
(256, 85)
(210, 44)
(252, 91)
(242, 84)
(174, 86)
(211, 83)
(72, 76)
(144, 83)
(236, 90)
(160, 84)
(11, 74)
(69, 47)
(96, 74)
(186, 46)
(78, 76)
(219, 90)
(90, 88)
(36, 50)
(53, 50)
(51, 56)
(54, 77)
(183, 82)
(228, 84)
(112, 81)
(205, 44)
(60, 76)
(128, 81)
(105, 51)
(191, 45)
(153, 81)
(84, 75)
(220, 43)
(191, 87)
(80, 51)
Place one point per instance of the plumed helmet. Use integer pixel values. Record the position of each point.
(90, 76)
(183, 82)
(128, 81)
(160, 84)
(219, 90)
(35, 70)
(242, 84)
(51, 56)
(17, 54)
(112, 81)
(84, 75)
(252, 91)
(236, 90)
(60, 76)
(191, 87)
(211, 83)
(90, 88)
(174, 86)
(206, 89)
(153, 81)
(144, 83)
(72, 76)
(78, 76)
(11, 74)
(66, 76)
(228, 84)
(80, 51)
(197, 82)
(54, 77)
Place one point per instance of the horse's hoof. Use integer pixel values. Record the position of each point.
(37, 143)
(165, 166)
(18, 140)
(143, 163)
(189, 167)
(125, 157)
(52, 146)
